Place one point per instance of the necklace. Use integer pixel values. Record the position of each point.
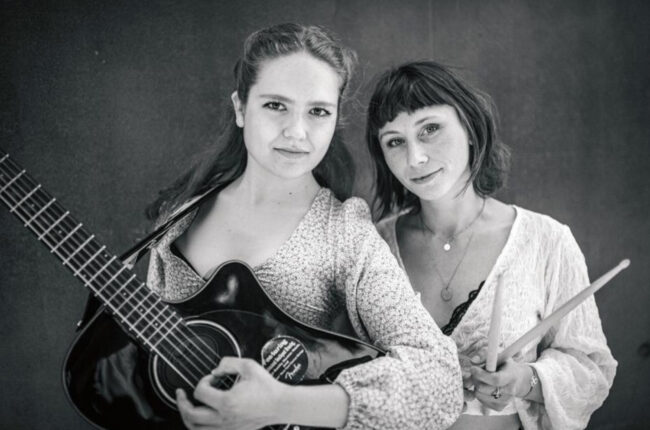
(446, 292)
(447, 243)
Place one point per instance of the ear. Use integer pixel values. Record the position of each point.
(239, 109)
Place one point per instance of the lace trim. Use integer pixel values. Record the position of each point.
(459, 312)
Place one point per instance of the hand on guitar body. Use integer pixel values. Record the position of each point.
(274, 402)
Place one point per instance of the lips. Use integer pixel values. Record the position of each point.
(426, 178)
(291, 152)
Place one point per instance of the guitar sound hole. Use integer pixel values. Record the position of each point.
(194, 357)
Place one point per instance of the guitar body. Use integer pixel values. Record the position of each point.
(116, 383)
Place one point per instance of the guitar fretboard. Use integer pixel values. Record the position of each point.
(157, 327)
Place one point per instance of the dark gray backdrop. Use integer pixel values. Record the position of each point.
(106, 103)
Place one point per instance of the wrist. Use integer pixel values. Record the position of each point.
(281, 405)
(314, 405)
(524, 385)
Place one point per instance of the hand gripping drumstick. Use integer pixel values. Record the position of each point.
(544, 325)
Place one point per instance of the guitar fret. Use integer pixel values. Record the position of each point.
(164, 336)
(12, 181)
(108, 301)
(78, 249)
(128, 298)
(41, 210)
(67, 236)
(150, 308)
(140, 302)
(76, 273)
(162, 324)
(87, 283)
(107, 283)
(14, 207)
(40, 237)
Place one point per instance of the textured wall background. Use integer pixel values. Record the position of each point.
(106, 102)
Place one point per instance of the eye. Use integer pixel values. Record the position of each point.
(320, 112)
(429, 129)
(275, 106)
(393, 143)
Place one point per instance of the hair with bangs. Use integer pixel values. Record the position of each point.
(420, 84)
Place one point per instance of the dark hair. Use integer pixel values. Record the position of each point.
(415, 85)
(225, 160)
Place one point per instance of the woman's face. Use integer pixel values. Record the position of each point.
(290, 115)
(427, 151)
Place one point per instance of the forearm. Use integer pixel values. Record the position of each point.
(315, 405)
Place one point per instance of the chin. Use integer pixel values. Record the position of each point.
(439, 193)
(292, 172)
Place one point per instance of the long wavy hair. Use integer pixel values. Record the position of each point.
(416, 85)
(225, 159)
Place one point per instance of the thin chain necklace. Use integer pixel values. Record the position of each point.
(446, 293)
(447, 243)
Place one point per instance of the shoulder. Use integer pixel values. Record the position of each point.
(386, 226)
(541, 226)
(354, 211)
(546, 233)
(350, 223)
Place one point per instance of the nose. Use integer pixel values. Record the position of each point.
(416, 155)
(295, 128)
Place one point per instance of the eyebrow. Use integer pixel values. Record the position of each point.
(284, 99)
(427, 118)
(386, 133)
(418, 122)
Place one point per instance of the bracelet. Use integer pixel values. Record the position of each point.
(534, 380)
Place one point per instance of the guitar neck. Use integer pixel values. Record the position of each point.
(134, 306)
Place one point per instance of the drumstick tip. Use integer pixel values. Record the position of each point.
(624, 264)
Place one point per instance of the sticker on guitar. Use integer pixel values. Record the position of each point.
(285, 358)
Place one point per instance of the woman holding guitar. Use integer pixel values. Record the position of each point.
(316, 256)
(438, 160)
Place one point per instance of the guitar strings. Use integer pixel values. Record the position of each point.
(80, 249)
(142, 301)
(71, 240)
(16, 206)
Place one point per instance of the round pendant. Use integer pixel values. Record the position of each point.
(446, 294)
(446, 246)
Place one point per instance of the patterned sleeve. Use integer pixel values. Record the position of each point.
(575, 366)
(417, 385)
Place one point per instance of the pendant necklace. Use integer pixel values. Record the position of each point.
(447, 243)
(446, 292)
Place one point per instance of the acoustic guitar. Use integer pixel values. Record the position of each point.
(126, 362)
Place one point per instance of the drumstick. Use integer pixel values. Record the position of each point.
(493, 334)
(495, 329)
(544, 325)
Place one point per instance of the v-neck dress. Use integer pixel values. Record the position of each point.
(540, 268)
(335, 262)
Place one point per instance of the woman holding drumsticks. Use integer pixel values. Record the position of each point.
(438, 159)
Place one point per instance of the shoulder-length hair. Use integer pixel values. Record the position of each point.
(416, 85)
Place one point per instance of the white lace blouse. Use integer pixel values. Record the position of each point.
(540, 268)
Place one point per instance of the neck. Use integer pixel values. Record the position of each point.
(446, 217)
(256, 188)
